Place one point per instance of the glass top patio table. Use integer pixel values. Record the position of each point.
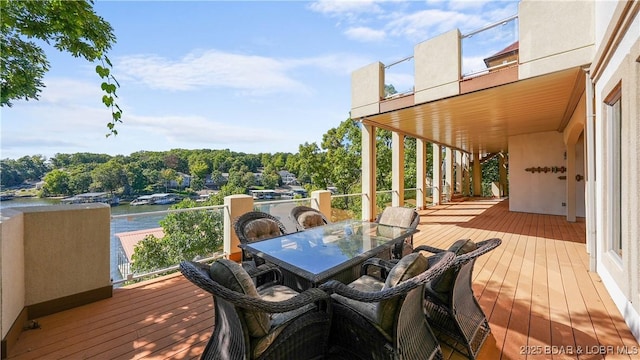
(316, 254)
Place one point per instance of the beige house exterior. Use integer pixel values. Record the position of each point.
(563, 117)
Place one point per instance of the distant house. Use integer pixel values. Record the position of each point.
(185, 181)
(503, 57)
(258, 177)
(287, 177)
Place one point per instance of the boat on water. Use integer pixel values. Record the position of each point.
(154, 199)
(7, 196)
(93, 197)
(141, 200)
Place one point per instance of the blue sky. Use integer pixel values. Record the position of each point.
(256, 76)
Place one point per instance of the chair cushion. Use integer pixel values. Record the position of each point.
(364, 283)
(232, 276)
(408, 267)
(309, 219)
(397, 216)
(442, 286)
(279, 321)
(259, 229)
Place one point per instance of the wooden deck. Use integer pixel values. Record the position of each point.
(535, 289)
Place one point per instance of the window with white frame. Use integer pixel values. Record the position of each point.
(614, 150)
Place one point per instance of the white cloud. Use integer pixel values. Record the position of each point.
(345, 8)
(365, 34)
(210, 69)
(62, 90)
(247, 74)
(197, 129)
(425, 24)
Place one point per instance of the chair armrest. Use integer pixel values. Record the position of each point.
(199, 275)
(336, 287)
(384, 265)
(483, 247)
(428, 248)
(263, 269)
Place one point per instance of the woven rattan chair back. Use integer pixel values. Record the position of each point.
(298, 212)
(455, 315)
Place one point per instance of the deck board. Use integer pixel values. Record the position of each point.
(535, 289)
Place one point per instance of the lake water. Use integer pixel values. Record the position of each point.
(118, 225)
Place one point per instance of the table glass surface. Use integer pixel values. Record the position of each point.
(322, 248)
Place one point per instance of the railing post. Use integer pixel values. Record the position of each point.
(235, 205)
(321, 200)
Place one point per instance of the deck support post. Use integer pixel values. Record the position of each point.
(437, 174)
(368, 172)
(421, 174)
(397, 169)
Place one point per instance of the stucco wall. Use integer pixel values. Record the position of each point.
(617, 68)
(12, 288)
(541, 193)
(367, 88)
(555, 35)
(66, 250)
(437, 67)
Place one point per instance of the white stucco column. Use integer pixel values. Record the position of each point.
(457, 188)
(397, 169)
(368, 172)
(421, 173)
(236, 205)
(477, 175)
(466, 184)
(571, 181)
(448, 174)
(437, 174)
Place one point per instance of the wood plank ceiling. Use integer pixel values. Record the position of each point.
(485, 119)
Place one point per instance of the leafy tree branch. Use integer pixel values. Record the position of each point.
(69, 26)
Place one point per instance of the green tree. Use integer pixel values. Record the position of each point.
(196, 183)
(80, 179)
(168, 175)
(56, 183)
(187, 235)
(343, 155)
(135, 176)
(199, 168)
(311, 166)
(32, 167)
(270, 180)
(10, 173)
(69, 26)
(108, 176)
(217, 178)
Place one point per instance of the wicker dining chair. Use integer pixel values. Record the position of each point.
(267, 322)
(451, 308)
(254, 226)
(400, 216)
(383, 318)
(306, 217)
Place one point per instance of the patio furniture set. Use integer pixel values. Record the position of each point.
(343, 290)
